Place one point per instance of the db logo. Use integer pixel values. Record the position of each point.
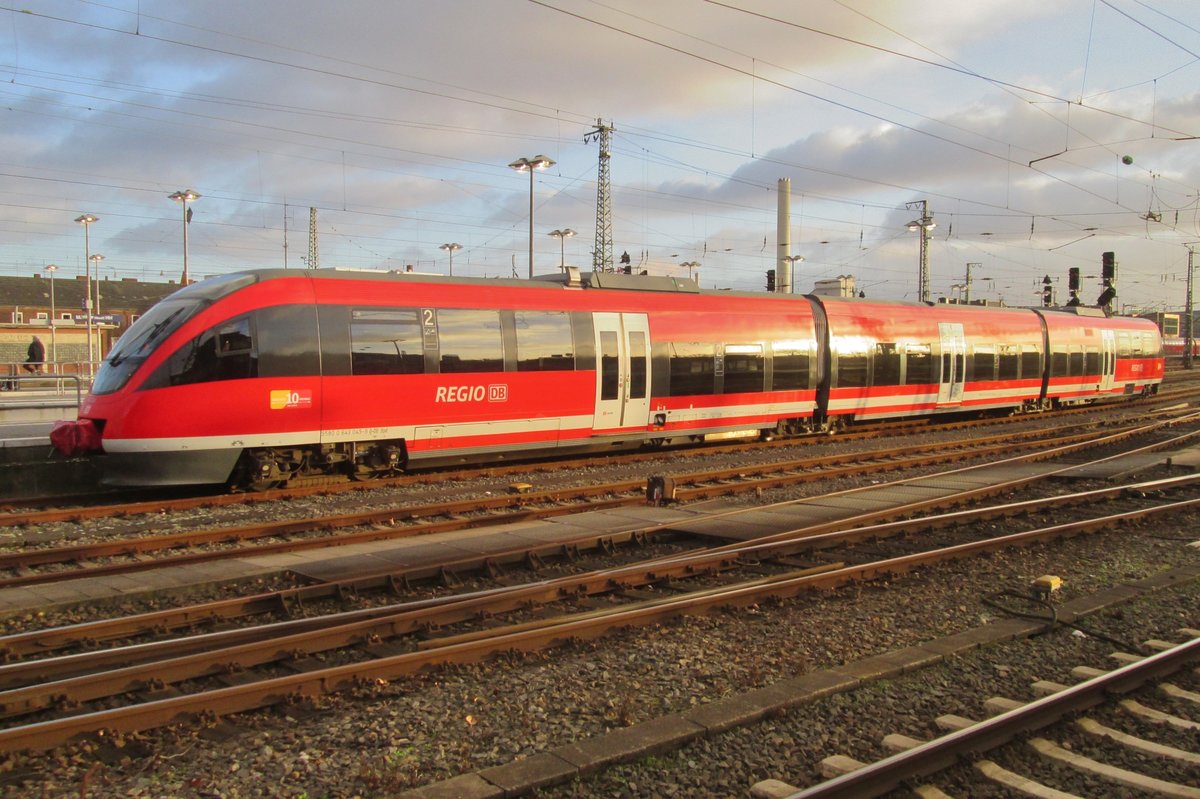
(496, 392)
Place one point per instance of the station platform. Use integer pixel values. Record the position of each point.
(27, 413)
(720, 520)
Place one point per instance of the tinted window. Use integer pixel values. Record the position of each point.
(853, 361)
(1091, 364)
(224, 352)
(1122, 344)
(887, 365)
(1009, 362)
(610, 365)
(985, 363)
(287, 341)
(1031, 362)
(386, 342)
(744, 368)
(692, 368)
(1059, 365)
(470, 341)
(637, 365)
(1076, 361)
(790, 365)
(132, 349)
(544, 341)
(918, 365)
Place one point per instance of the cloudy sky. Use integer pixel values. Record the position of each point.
(1039, 134)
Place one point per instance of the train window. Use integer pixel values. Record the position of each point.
(918, 364)
(887, 364)
(224, 352)
(854, 369)
(386, 342)
(1153, 345)
(1135, 345)
(1008, 362)
(638, 358)
(693, 368)
(470, 341)
(1091, 361)
(544, 341)
(1076, 358)
(744, 368)
(287, 341)
(1170, 324)
(131, 350)
(790, 365)
(853, 360)
(1059, 363)
(610, 365)
(1031, 362)
(1122, 344)
(985, 363)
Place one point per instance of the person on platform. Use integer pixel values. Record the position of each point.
(35, 356)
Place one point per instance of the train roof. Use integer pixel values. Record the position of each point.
(213, 288)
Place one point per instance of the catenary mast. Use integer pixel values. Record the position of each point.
(602, 259)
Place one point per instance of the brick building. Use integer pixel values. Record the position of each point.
(26, 310)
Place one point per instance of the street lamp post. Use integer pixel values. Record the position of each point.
(86, 220)
(451, 248)
(51, 268)
(531, 165)
(690, 266)
(924, 225)
(184, 197)
(562, 236)
(96, 258)
(785, 285)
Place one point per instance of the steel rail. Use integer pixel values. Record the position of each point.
(521, 638)
(20, 517)
(690, 564)
(40, 641)
(802, 471)
(16, 515)
(945, 751)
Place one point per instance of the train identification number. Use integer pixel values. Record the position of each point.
(283, 398)
(496, 392)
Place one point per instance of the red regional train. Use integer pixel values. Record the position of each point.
(264, 377)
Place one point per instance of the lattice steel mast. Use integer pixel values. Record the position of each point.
(312, 238)
(602, 258)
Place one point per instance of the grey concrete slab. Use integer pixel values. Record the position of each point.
(733, 528)
(1115, 468)
(521, 777)
(464, 786)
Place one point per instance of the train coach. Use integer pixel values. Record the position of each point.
(267, 377)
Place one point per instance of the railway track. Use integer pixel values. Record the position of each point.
(94, 506)
(156, 671)
(921, 762)
(293, 535)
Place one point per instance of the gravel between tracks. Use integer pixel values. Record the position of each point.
(415, 731)
(463, 719)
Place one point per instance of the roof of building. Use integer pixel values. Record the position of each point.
(127, 294)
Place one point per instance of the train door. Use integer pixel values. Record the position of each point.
(954, 362)
(1108, 359)
(622, 371)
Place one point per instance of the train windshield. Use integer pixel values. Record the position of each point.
(132, 348)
